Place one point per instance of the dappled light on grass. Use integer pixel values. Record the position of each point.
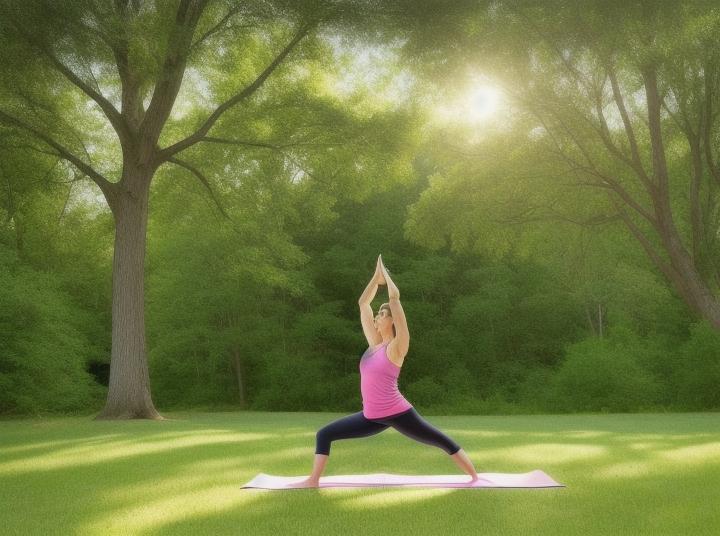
(260, 459)
(299, 452)
(586, 434)
(640, 454)
(630, 475)
(641, 446)
(645, 458)
(633, 469)
(190, 478)
(101, 450)
(583, 434)
(657, 460)
(695, 454)
(547, 454)
(639, 458)
(390, 498)
(169, 508)
(479, 433)
(47, 445)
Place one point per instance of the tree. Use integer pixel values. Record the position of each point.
(119, 89)
(631, 114)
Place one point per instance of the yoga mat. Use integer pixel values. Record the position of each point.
(534, 479)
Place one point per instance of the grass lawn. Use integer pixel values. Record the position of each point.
(625, 475)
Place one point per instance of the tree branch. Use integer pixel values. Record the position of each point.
(712, 113)
(640, 236)
(627, 124)
(605, 181)
(654, 107)
(83, 26)
(598, 219)
(105, 186)
(173, 69)
(665, 267)
(198, 136)
(215, 29)
(604, 133)
(108, 109)
(245, 143)
(609, 183)
(192, 169)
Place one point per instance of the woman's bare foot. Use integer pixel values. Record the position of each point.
(313, 481)
(464, 463)
(307, 483)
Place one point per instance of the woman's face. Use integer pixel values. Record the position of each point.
(383, 319)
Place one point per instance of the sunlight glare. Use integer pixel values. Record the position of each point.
(477, 104)
(484, 102)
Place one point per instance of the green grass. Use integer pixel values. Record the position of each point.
(625, 475)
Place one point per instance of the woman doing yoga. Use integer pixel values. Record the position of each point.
(383, 405)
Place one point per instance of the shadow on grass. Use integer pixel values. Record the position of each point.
(626, 474)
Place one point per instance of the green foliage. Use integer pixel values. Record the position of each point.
(44, 348)
(425, 393)
(582, 138)
(315, 367)
(599, 375)
(698, 375)
(54, 261)
(232, 272)
(488, 336)
(254, 271)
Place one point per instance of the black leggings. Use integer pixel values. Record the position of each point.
(408, 423)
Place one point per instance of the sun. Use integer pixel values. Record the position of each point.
(477, 103)
(483, 102)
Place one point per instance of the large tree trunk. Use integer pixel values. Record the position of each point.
(129, 389)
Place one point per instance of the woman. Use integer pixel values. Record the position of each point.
(383, 405)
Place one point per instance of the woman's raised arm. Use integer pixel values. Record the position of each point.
(398, 348)
(365, 302)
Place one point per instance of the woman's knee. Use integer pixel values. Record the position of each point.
(323, 440)
(415, 427)
(454, 449)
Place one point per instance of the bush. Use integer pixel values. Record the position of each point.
(43, 350)
(698, 379)
(425, 393)
(599, 376)
(291, 383)
(537, 393)
(459, 382)
(187, 370)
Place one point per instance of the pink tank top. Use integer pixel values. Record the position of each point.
(378, 385)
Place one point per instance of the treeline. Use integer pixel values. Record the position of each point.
(556, 248)
(259, 311)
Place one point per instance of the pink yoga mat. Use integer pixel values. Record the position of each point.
(534, 479)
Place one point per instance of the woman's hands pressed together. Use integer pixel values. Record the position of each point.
(380, 271)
